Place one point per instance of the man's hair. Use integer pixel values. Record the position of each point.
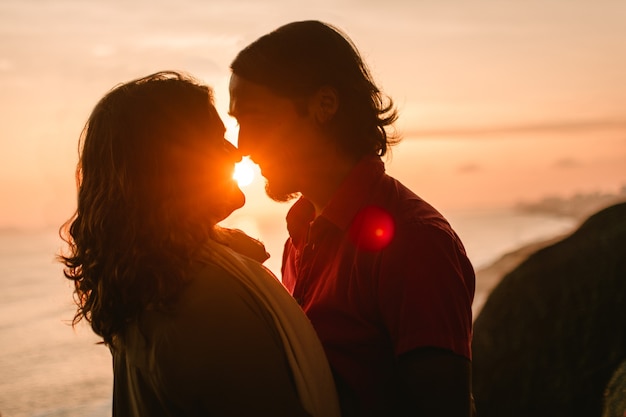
(136, 226)
(297, 59)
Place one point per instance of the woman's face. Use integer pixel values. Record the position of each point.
(229, 196)
(208, 163)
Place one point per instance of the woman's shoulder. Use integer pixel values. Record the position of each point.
(212, 290)
(213, 314)
(241, 243)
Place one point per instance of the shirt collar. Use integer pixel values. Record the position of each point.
(353, 193)
(349, 198)
(300, 215)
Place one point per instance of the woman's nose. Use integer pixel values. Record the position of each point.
(233, 152)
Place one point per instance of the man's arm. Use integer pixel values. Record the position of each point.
(426, 291)
(437, 382)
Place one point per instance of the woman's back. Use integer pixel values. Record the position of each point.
(217, 352)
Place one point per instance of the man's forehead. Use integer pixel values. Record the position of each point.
(246, 96)
(241, 88)
(238, 85)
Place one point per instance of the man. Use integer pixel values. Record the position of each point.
(380, 273)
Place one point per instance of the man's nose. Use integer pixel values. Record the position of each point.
(245, 143)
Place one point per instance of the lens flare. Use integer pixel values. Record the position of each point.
(373, 229)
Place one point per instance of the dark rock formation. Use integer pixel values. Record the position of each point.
(552, 333)
(615, 394)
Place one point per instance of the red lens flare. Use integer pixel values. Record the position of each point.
(372, 229)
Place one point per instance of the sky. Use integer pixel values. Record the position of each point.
(500, 101)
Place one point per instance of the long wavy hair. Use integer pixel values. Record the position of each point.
(143, 188)
(297, 59)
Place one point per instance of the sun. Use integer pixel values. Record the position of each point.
(244, 172)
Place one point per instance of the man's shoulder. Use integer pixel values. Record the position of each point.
(403, 202)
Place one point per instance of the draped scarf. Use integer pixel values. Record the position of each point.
(305, 354)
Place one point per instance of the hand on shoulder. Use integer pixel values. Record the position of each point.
(243, 244)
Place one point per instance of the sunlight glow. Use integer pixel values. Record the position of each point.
(244, 172)
(372, 229)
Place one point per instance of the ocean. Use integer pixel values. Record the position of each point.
(48, 369)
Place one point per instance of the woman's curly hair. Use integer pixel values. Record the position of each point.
(140, 212)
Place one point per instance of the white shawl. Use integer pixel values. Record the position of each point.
(311, 372)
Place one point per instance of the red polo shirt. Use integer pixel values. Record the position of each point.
(380, 272)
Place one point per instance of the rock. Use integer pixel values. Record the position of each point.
(553, 331)
(615, 394)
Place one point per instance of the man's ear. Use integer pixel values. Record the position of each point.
(325, 103)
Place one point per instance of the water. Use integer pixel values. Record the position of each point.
(49, 370)
(490, 233)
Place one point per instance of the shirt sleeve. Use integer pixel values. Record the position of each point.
(426, 288)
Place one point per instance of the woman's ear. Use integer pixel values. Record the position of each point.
(325, 103)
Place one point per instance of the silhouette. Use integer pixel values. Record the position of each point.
(195, 324)
(552, 333)
(614, 403)
(381, 274)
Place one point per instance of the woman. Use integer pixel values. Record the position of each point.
(195, 327)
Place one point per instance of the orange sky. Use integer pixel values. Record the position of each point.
(499, 101)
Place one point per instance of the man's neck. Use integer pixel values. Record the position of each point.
(320, 188)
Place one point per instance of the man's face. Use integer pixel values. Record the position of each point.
(275, 136)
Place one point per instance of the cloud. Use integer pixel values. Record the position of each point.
(567, 163)
(551, 127)
(469, 168)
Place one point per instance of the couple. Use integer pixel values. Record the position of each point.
(195, 324)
